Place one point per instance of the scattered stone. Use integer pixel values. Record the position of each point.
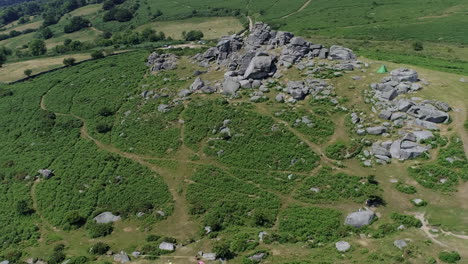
(257, 257)
(163, 108)
(122, 257)
(342, 246)
(400, 244)
(167, 246)
(46, 173)
(376, 130)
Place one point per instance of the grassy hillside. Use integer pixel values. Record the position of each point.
(148, 161)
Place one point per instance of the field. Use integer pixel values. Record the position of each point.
(212, 28)
(15, 70)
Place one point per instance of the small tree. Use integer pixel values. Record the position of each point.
(28, 72)
(46, 33)
(418, 46)
(22, 207)
(99, 248)
(193, 35)
(37, 47)
(223, 250)
(69, 61)
(97, 54)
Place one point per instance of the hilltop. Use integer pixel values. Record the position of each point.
(265, 147)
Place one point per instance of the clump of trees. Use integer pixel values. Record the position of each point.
(4, 52)
(76, 23)
(37, 47)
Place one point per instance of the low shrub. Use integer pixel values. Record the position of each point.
(449, 257)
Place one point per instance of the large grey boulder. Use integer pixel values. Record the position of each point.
(167, 246)
(378, 130)
(5, 262)
(106, 217)
(360, 218)
(404, 75)
(428, 113)
(230, 86)
(209, 256)
(389, 95)
(261, 66)
(395, 149)
(426, 124)
(341, 53)
(121, 257)
(342, 246)
(227, 45)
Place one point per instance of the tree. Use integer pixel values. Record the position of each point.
(4, 52)
(222, 250)
(97, 54)
(46, 33)
(69, 61)
(75, 219)
(22, 208)
(37, 47)
(108, 5)
(418, 46)
(193, 35)
(123, 15)
(28, 72)
(76, 23)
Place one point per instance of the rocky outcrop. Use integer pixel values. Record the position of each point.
(121, 257)
(261, 66)
(158, 62)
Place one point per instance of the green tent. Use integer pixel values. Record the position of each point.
(383, 69)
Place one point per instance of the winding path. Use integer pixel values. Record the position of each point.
(299, 10)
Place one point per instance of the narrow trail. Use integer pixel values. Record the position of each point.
(426, 228)
(251, 23)
(299, 10)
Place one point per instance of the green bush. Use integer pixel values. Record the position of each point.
(98, 54)
(341, 150)
(193, 35)
(103, 128)
(78, 260)
(406, 220)
(449, 257)
(418, 46)
(405, 188)
(152, 238)
(99, 248)
(69, 61)
(99, 230)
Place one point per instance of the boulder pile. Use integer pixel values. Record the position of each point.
(158, 62)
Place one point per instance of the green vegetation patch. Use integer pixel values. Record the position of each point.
(312, 223)
(252, 141)
(341, 150)
(225, 200)
(327, 186)
(317, 128)
(445, 172)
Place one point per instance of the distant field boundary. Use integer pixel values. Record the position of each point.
(60, 68)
